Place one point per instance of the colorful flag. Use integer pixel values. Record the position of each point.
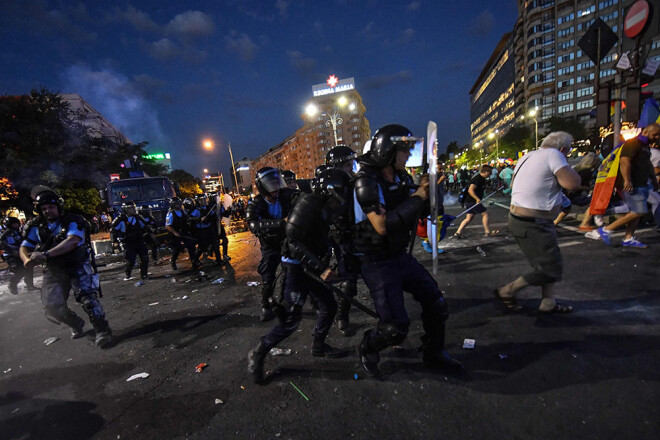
(650, 113)
(605, 180)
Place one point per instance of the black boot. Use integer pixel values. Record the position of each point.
(267, 313)
(368, 359)
(94, 310)
(434, 354)
(343, 323)
(320, 348)
(256, 358)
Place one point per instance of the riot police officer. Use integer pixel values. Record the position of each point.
(290, 179)
(386, 211)
(62, 241)
(205, 221)
(343, 157)
(306, 251)
(265, 216)
(150, 240)
(10, 243)
(130, 228)
(177, 223)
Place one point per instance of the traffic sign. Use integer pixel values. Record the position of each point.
(636, 18)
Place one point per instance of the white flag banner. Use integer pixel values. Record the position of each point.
(651, 67)
(624, 62)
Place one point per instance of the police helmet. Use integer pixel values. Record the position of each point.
(188, 203)
(385, 143)
(289, 176)
(202, 199)
(175, 201)
(128, 205)
(319, 170)
(268, 180)
(339, 155)
(332, 182)
(48, 197)
(9, 221)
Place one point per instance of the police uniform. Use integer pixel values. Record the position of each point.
(63, 273)
(131, 230)
(179, 221)
(10, 242)
(387, 269)
(149, 239)
(306, 250)
(205, 222)
(266, 221)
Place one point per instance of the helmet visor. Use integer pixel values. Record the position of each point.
(272, 181)
(405, 142)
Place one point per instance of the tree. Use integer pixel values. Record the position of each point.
(189, 185)
(80, 200)
(452, 147)
(570, 125)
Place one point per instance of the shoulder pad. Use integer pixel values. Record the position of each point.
(367, 193)
(304, 217)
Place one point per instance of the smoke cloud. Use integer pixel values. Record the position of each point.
(119, 100)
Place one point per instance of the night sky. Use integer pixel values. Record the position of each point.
(241, 71)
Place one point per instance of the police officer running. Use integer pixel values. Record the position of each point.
(62, 241)
(307, 251)
(205, 221)
(10, 243)
(177, 223)
(130, 228)
(343, 157)
(386, 212)
(265, 217)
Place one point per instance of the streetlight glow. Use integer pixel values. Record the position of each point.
(352, 106)
(311, 110)
(206, 170)
(208, 144)
(342, 101)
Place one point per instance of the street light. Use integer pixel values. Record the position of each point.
(206, 170)
(497, 145)
(335, 118)
(208, 144)
(532, 114)
(478, 145)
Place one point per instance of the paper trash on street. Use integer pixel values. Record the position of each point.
(138, 376)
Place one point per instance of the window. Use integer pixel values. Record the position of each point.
(585, 104)
(610, 16)
(608, 58)
(607, 72)
(584, 26)
(565, 70)
(586, 91)
(566, 44)
(565, 108)
(607, 3)
(565, 32)
(584, 65)
(566, 57)
(566, 82)
(586, 11)
(585, 78)
(566, 18)
(565, 96)
(548, 112)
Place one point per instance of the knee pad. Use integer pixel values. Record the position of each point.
(93, 308)
(393, 334)
(349, 288)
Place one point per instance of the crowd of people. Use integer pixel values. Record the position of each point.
(355, 219)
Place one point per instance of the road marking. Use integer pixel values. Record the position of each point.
(570, 243)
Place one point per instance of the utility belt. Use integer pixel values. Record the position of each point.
(530, 219)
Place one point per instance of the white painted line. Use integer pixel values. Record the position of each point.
(570, 243)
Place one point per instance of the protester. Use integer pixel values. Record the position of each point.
(535, 202)
(635, 173)
(473, 196)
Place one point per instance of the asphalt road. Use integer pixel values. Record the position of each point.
(590, 374)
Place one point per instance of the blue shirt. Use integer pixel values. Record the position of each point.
(33, 233)
(274, 209)
(169, 220)
(121, 227)
(198, 214)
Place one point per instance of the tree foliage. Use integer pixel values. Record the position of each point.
(80, 200)
(570, 125)
(189, 185)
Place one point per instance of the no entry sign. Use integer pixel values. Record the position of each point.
(636, 18)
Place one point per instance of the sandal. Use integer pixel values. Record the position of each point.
(509, 302)
(458, 236)
(492, 233)
(558, 308)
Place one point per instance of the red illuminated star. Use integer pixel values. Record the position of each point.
(332, 80)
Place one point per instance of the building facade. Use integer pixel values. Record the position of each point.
(553, 76)
(491, 97)
(335, 108)
(97, 125)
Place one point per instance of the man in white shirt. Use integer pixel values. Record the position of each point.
(535, 202)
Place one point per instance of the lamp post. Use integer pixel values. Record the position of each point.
(233, 167)
(478, 145)
(335, 117)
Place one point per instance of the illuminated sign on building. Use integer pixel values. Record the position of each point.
(333, 85)
(157, 156)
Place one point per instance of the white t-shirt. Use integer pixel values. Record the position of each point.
(655, 157)
(535, 185)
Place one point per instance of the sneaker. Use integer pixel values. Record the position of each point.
(598, 220)
(128, 278)
(594, 235)
(604, 235)
(632, 242)
(427, 247)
